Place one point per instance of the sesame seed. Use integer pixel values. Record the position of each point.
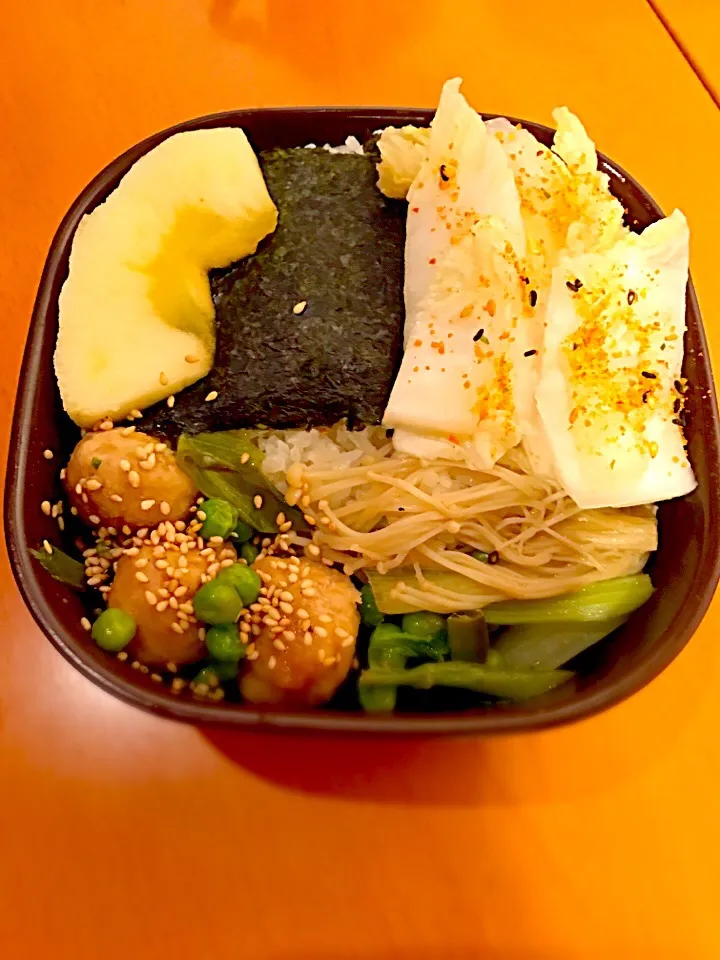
(339, 632)
(191, 358)
(286, 526)
(147, 504)
(271, 663)
(321, 655)
(61, 523)
(136, 414)
(313, 550)
(93, 484)
(321, 632)
(211, 396)
(85, 624)
(63, 473)
(278, 644)
(307, 639)
(164, 507)
(176, 627)
(299, 307)
(286, 596)
(258, 501)
(151, 598)
(156, 677)
(178, 684)
(48, 454)
(94, 581)
(215, 539)
(142, 577)
(324, 618)
(134, 478)
(287, 608)
(142, 562)
(73, 511)
(122, 655)
(94, 518)
(280, 519)
(126, 431)
(163, 379)
(347, 642)
(162, 606)
(170, 401)
(180, 591)
(309, 592)
(106, 425)
(46, 508)
(244, 458)
(116, 498)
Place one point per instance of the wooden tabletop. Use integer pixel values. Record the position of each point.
(122, 835)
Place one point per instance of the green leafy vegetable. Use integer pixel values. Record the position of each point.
(62, 567)
(389, 649)
(96, 461)
(213, 461)
(383, 585)
(546, 646)
(429, 626)
(495, 681)
(468, 637)
(604, 600)
(369, 613)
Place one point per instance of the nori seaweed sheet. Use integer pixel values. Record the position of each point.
(339, 245)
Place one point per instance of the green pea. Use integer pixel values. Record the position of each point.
(246, 581)
(224, 643)
(220, 518)
(369, 612)
(425, 625)
(215, 674)
(217, 602)
(242, 532)
(249, 552)
(113, 630)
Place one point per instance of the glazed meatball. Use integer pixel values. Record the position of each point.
(306, 643)
(116, 478)
(156, 586)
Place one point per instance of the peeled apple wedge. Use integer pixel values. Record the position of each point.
(136, 317)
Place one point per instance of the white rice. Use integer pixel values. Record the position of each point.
(351, 145)
(328, 448)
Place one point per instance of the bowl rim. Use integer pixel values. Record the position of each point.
(160, 702)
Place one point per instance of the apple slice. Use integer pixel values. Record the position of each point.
(137, 321)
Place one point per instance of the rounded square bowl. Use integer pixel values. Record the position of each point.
(684, 569)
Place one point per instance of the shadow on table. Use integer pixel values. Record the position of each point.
(450, 771)
(423, 953)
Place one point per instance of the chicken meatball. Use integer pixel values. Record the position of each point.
(117, 478)
(156, 586)
(309, 622)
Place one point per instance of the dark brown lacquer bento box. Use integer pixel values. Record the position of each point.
(684, 569)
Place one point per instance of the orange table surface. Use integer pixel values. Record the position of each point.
(695, 26)
(122, 835)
